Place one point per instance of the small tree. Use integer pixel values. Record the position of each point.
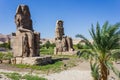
(79, 46)
(5, 45)
(47, 44)
(106, 42)
(52, 45)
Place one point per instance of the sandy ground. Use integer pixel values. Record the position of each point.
(70, 75)
(80, 72)
(64, 75)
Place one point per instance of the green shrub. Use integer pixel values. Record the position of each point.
(47, 45)
(80, 46)
(13, 76)
(1, 55)
(6, 56)
(17, 76)
(116, 56)
(55, 67)
(5, 45)
(31, 77)
(49, 51)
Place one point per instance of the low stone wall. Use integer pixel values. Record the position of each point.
(32, 60)
(8, 61)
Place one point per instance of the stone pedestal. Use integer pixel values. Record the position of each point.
(67, 53)
(32, 60)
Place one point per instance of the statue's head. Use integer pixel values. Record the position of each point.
(23, 18)
(59, 23)
(23, 9)
(19, 10)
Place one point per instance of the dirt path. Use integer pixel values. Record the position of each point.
(12, 68)
(79, 72)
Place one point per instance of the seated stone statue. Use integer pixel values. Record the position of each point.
(63, 43)
(25, 37)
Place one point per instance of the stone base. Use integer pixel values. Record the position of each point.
(8, 61)
(32, 60)
(66, 53)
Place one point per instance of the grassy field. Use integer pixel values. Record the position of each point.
(17, 76)
(55, 67)
(45, 51)
(5, 56)
(60, 63)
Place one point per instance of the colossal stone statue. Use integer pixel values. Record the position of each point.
(25, 42)
(63, 43)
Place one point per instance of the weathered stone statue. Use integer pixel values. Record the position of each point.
(25, 42)
(63, 43)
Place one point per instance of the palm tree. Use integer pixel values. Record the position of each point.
(106, 42)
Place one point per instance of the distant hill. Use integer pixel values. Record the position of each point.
(4, 38)
(52, 40)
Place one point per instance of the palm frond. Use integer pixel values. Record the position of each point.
(86, 51)
(95, 71)
(85, 40)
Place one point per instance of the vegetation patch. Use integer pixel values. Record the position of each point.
(45, 51)
(5, 56)
(17, 76)
(55, 67)
(31, 77)
(60, 63)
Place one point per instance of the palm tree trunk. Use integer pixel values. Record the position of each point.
(104, 71)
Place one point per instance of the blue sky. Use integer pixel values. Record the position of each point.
(78, 15)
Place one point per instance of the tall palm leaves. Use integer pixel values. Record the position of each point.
(106, 41)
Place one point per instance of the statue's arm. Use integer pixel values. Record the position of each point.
(23, 30)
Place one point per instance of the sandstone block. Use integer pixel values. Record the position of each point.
(32, 60)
